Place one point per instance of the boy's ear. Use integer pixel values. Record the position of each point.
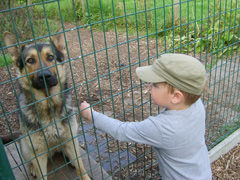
(59, 41)
(177, 97)
(10, 39)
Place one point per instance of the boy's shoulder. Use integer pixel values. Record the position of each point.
(196, 108)
(198, 104)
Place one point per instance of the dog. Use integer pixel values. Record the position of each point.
(46, 117)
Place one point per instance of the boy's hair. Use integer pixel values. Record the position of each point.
(189, 98)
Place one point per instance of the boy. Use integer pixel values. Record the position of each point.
(177, 133)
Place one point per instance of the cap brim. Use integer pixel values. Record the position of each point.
(146, 73)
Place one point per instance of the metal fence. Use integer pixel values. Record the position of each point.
(105, 42)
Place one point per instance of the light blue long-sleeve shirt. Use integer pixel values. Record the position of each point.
(177, 137)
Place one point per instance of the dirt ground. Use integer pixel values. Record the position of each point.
(95, 85)
(228, 165)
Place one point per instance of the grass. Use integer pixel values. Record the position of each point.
(238, 108)
(62, 10)
(3, 62)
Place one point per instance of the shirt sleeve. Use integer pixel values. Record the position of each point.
(145, 132)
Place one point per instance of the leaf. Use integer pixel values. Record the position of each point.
(198, 49)
(228, 37)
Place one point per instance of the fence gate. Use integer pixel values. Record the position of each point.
(105, 41)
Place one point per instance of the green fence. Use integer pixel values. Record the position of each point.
(105, 42)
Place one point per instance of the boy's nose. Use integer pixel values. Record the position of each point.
(150, 86)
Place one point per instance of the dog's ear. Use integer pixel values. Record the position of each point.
(59, 41)
(10, 39)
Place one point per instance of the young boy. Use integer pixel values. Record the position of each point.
(177, 133)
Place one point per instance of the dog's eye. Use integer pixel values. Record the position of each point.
(30, 61)
(50, 58)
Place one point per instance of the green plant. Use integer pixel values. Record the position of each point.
(213, 34)
(3, 61)
(25, 23)
(124, 13)
(56, 10)
(230, 127)
(238, 108)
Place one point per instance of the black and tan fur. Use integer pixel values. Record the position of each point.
(46, 110)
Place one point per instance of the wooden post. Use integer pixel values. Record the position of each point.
(176, 10)
(83, 5)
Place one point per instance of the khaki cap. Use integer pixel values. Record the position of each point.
(183, 72)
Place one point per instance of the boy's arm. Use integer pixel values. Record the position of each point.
(86, 111)
(145, 132)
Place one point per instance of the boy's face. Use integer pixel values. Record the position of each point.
(160, 95)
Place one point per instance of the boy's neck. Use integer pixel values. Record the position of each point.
(178, 107)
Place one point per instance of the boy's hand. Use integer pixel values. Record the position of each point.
(87, 112)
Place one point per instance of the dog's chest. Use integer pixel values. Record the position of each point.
(56, 133)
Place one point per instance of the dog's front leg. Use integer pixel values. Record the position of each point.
(39, 168)
(70, 152)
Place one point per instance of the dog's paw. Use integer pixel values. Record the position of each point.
(33, 171)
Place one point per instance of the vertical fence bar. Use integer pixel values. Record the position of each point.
(98, 78)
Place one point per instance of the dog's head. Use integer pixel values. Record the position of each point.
(39, 61)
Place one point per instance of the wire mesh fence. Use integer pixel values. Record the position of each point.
(104, 42)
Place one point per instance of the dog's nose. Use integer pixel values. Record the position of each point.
(46, 73)
(50, 79)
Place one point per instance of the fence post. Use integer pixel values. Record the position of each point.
(5, 168)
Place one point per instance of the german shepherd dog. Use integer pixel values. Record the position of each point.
(46, 118)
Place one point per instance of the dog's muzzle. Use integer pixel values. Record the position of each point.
(50, 80)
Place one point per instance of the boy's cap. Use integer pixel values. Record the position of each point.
(183, 72)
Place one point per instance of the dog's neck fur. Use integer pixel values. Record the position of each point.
(54, 107)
